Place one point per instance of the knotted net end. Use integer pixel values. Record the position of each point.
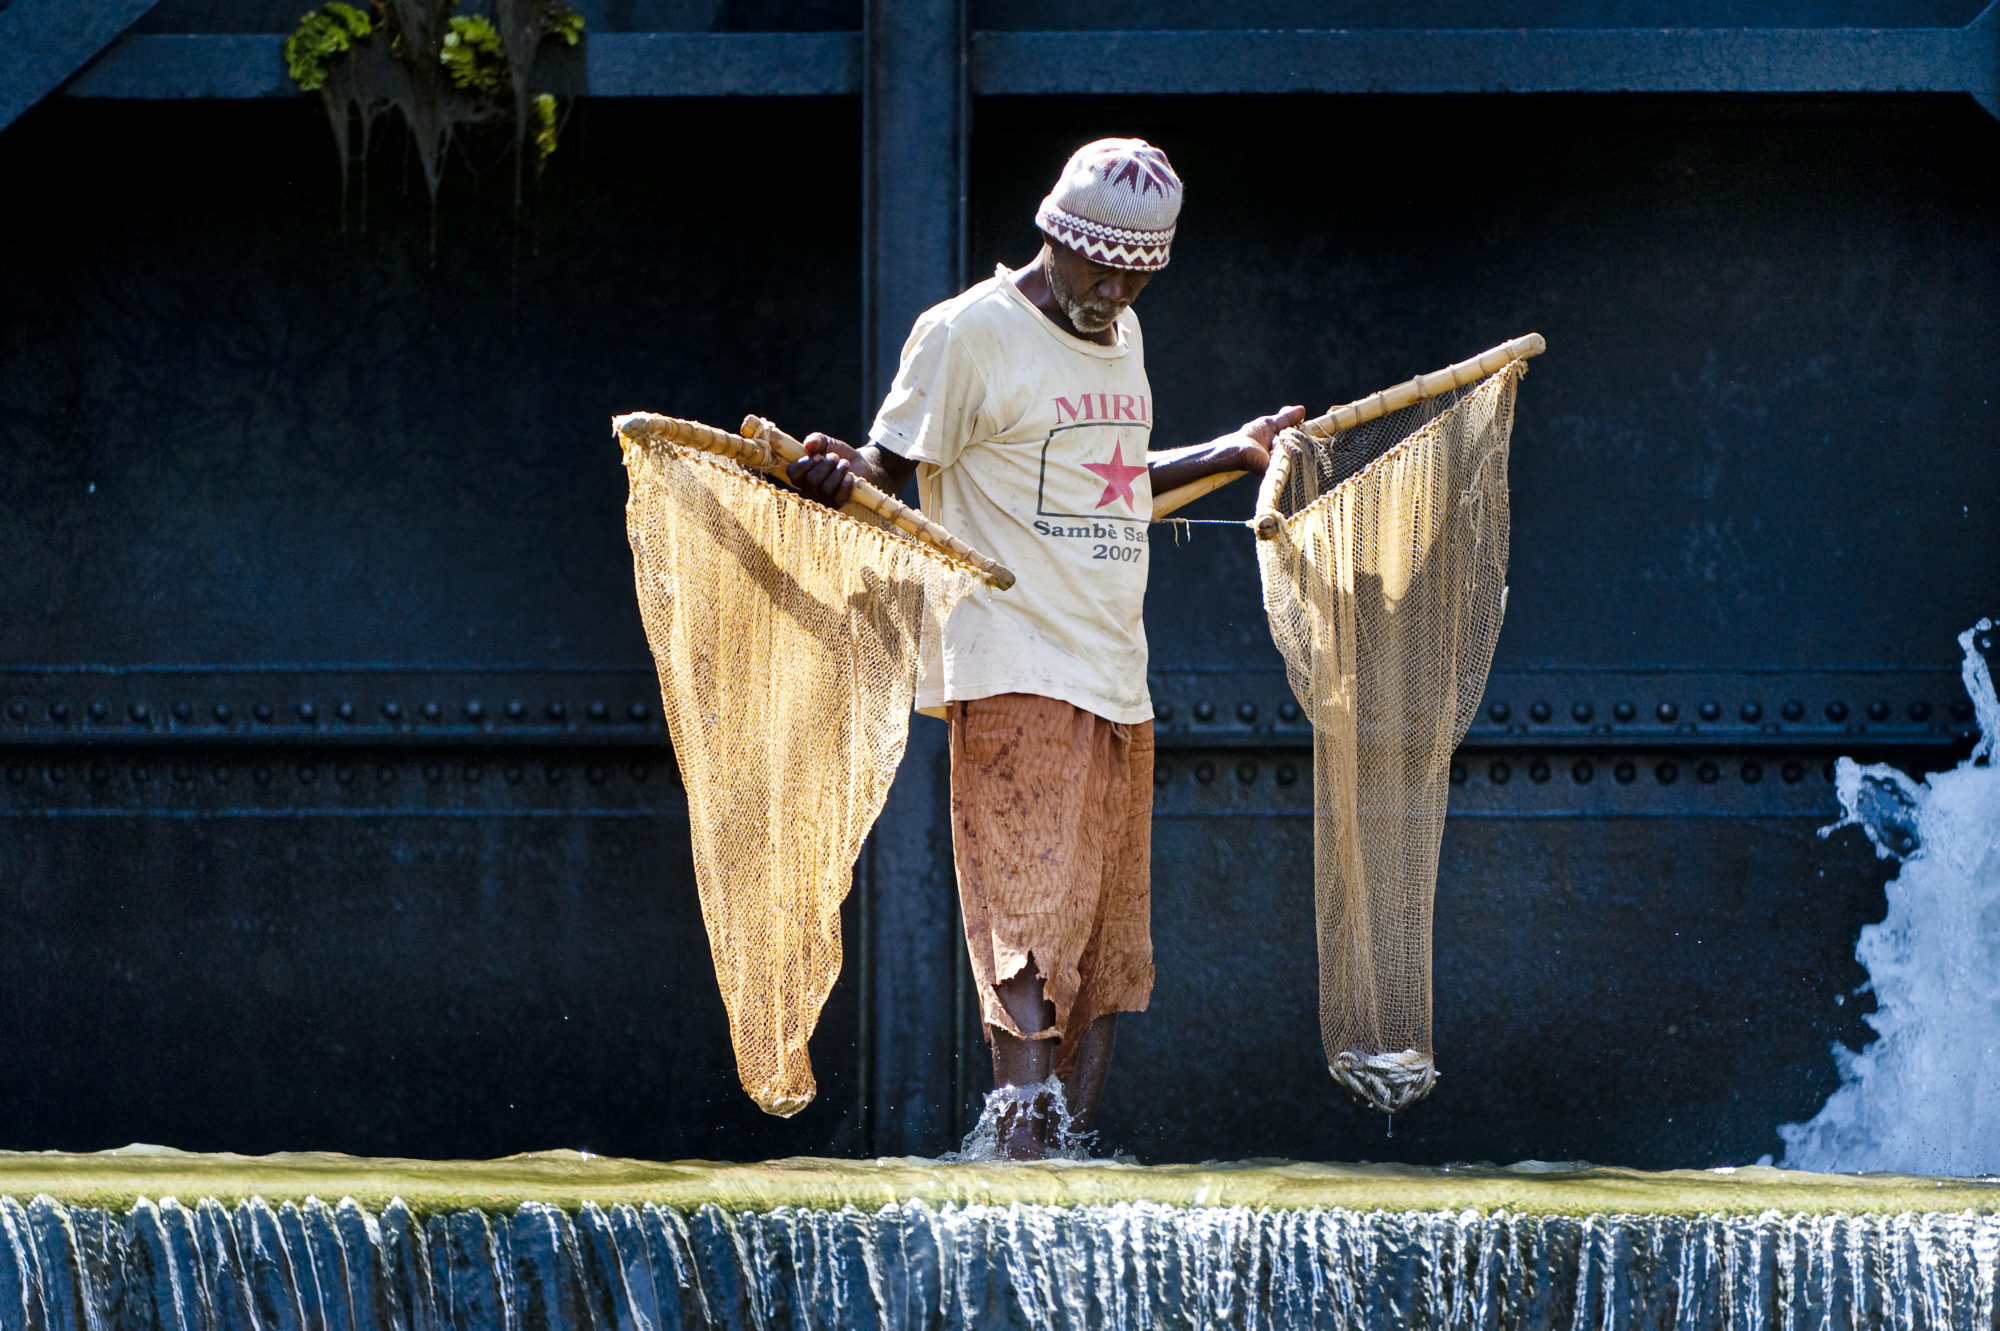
(782, 1104)
(1386, 1083)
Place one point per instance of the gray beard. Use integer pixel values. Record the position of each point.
(1086, 316)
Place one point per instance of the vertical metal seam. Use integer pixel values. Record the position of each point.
(904, 55)
(865, 1089)
(864, 956)
(961, 997)
(961, 262)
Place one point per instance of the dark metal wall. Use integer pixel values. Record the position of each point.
(179, 16)
(257, 471)
(337, 811)
(1748, 475)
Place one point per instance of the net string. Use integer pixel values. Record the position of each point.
(1384, 564)
(787, 637)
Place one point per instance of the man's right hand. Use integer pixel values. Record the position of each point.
(827, 472)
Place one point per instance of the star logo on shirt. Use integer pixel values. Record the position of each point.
(1117, 477)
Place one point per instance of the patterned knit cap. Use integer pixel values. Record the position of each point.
(1115, 203)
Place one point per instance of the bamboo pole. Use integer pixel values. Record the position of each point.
(643, 427)
(1373, 407)
(1183, 495)
(764, 447)
(884, 506)
(1284, 452)
(1377, 405)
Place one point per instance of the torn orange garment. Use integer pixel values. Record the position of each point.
(1052, 815)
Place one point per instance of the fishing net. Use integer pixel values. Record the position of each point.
(787, 639)
(1384, 576)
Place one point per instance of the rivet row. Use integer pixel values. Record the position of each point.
(345, 774)
(307, 712)
(1540, 771)
(1666, 712)
(1247, 772)
(1583, 771)
(1751, 712)
(1246, 712)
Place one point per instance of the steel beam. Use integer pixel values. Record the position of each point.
(1582, 709)
(1529, 782)
(335, 708)
(913, 114)
(162, 67)
(201, 742)
(914, 117)
(1471, 61)
(305, 782)
(451, 779)
(44, 42)
(1797, 61)
(723, 64)
(168, 67)
(153, 707)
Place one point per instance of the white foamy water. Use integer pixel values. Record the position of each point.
(902, 1266)
(1924, 1098)
(982, 1144)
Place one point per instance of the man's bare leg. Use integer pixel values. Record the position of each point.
(1023, 1128)
(1084, 1086)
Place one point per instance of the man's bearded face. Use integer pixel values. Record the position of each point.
(1091, 295)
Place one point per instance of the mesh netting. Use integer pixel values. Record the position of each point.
(1385, 583)
(787, 640)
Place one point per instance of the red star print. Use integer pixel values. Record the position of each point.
(1117, 477)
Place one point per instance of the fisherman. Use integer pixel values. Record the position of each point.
(1023, 407)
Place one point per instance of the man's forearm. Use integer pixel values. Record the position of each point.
(884, 470)
(1174, 467)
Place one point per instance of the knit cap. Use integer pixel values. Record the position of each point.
(1115, 203)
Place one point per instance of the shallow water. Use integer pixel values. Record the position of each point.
(560, 1239)
(116, 1180)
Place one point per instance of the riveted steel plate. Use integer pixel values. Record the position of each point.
(1610, 707)
(328, 707)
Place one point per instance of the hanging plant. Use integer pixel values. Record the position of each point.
(441, 71)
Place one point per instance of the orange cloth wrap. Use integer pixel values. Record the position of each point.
(1051, 820)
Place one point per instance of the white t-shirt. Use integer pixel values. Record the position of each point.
(1032, 447)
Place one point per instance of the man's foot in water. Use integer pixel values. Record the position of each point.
(1021, 1066)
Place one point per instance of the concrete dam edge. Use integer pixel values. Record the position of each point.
(119, 1179)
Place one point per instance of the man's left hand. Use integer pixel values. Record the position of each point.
(1248, 449)
(1260, 433)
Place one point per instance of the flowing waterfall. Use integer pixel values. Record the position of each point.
(1924, 1098)
(913, 1265)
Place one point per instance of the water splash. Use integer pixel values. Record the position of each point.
(1003, 1104)
(1924, 1098)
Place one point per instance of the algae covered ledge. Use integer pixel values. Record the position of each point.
(117, 1179)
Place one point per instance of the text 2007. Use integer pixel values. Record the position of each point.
(1124, 554)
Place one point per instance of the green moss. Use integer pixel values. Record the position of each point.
(544, 109)
(326, 32)
(474, 55)
(444, 71)
(116, 1179)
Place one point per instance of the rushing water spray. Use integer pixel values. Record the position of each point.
(1003, 1104)
(1924, 1098)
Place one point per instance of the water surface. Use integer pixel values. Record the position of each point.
(117, 1179)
